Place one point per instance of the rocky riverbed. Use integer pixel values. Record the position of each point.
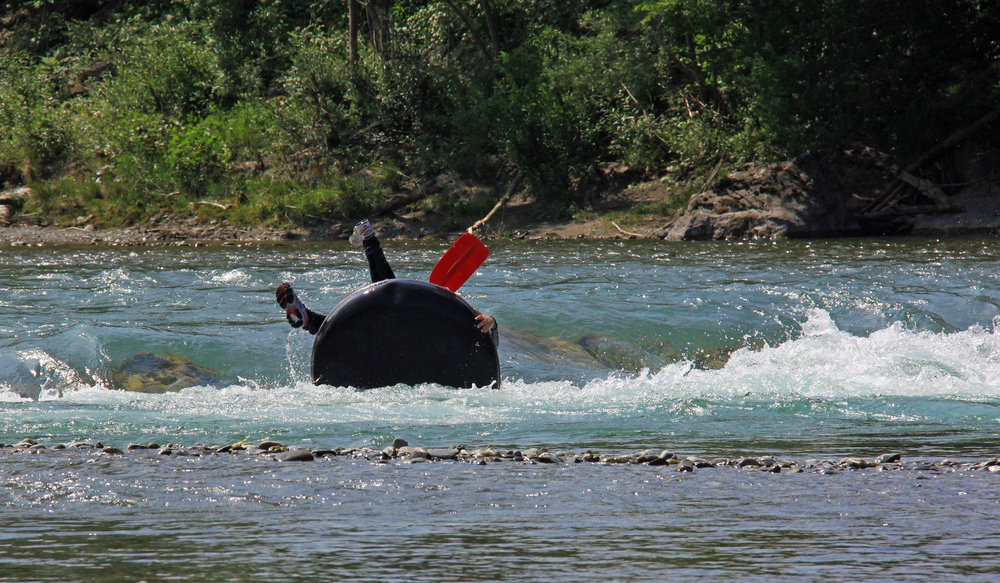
(400, 451)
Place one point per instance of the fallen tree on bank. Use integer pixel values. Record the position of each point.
(953, 188)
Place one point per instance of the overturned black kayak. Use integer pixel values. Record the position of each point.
(403, 331)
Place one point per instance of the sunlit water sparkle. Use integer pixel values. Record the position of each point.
(841, 348)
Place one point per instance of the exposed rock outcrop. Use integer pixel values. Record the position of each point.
(798, 198)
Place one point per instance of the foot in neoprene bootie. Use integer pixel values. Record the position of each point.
(363, 230)
(295, 310)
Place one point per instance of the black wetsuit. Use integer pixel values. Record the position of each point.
(380, 270)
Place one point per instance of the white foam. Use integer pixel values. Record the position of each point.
(232, 276)
(824, 363)
(830, 363)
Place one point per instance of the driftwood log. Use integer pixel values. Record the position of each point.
(910, 194)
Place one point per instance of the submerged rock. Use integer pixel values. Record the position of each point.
(413, 452)
(20, 377)
(295, 455)
(620, 355)
(160, 373)
(887, 458)
(594, 354)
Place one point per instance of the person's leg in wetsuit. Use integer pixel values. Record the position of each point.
(364, 235)
(296, 312)
(378, 265)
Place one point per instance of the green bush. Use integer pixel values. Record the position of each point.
(249, 131)
(33, 134)
(125, 110)
(198, 154)
(166, 68)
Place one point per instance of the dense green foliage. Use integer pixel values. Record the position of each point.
(125, 109)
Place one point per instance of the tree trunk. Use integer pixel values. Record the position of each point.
(352, 20)
(494, 36)
(379, 23)
(471, 28)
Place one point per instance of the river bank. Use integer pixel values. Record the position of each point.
(519, 219)
(853, 193)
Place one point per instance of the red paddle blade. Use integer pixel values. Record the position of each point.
(459, 262)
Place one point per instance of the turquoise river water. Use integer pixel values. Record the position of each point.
(800, 350)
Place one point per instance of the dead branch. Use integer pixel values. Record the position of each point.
(224, 207)
(952, 140)
(926, 187)
(503, 200)
(627, 233)
(896, 191)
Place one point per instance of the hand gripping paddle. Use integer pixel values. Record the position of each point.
(459, 262)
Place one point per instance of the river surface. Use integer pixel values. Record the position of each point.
(793, 349)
